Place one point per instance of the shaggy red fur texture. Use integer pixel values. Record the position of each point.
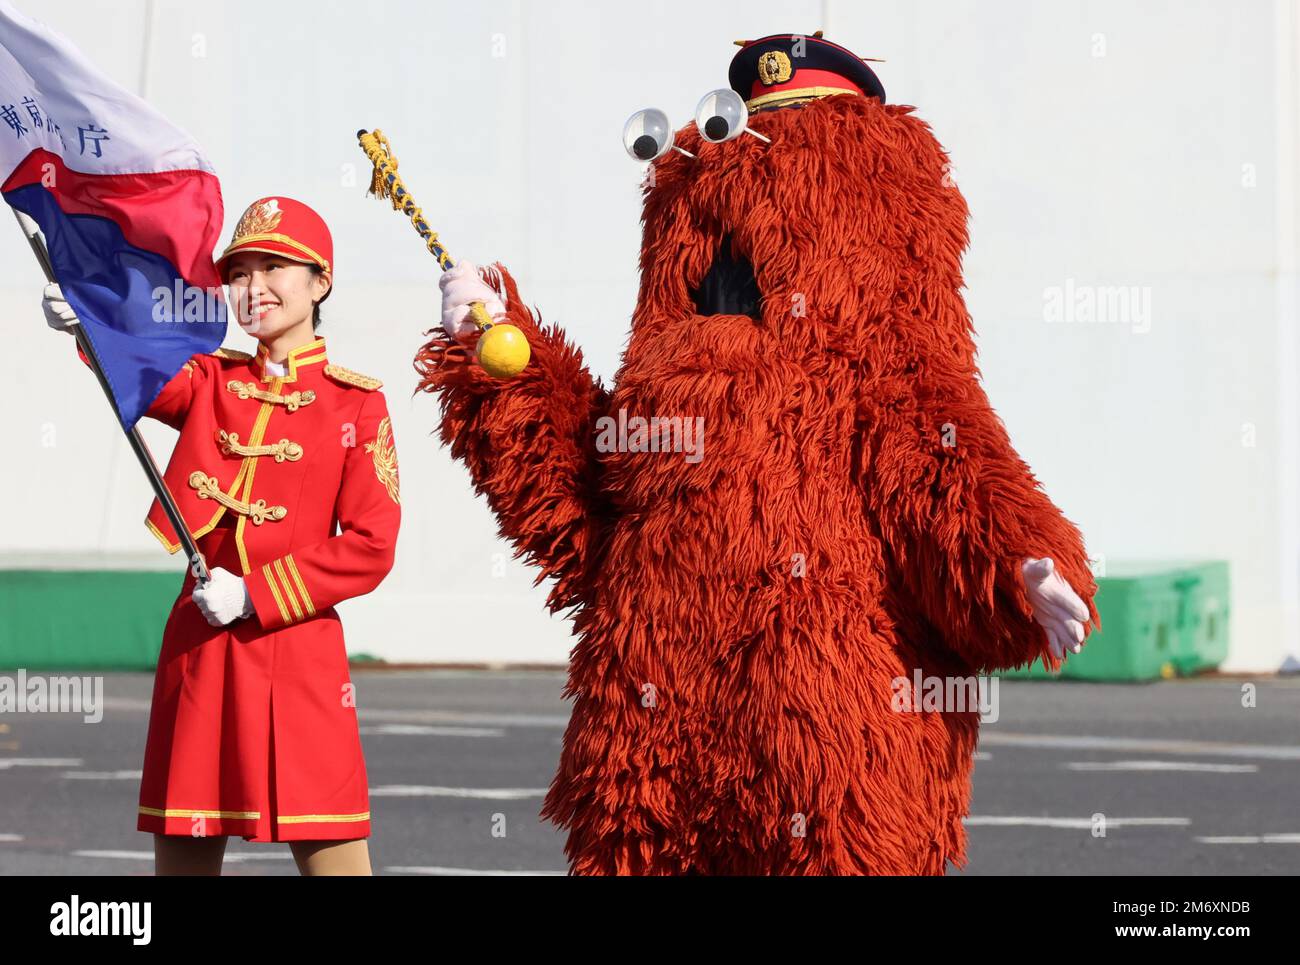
(858, 513)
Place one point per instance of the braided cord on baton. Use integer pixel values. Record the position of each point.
(385, 182)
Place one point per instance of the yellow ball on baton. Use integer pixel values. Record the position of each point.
(503, 351)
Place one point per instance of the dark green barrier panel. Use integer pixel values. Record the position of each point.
(109, 617)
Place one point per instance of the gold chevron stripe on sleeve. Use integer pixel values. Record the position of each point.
(302, 587)
(286, 589)
(279, 601)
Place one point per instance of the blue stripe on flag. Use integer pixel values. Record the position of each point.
(142, 321)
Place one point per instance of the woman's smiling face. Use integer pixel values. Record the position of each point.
(271, 294)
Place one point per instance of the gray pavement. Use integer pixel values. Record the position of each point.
(1188, 780)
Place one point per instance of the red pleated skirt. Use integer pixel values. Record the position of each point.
(252, 733)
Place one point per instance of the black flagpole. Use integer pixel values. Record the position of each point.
(198, 564)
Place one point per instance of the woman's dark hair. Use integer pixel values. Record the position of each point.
(315, 308)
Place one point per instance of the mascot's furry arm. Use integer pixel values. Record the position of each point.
(958, 511)
(529, 443)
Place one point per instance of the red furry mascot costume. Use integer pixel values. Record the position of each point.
(858, 512)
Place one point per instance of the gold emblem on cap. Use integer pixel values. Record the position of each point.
(259, 219)
(774, 67)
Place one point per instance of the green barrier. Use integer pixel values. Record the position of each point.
(108, 612)
(87, 612)
(1158, 620)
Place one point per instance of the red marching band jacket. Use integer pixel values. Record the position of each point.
(294, 458)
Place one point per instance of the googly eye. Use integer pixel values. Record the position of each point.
(647, 135)
(721, 115)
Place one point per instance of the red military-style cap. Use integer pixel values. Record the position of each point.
(285, 227)
(789, 69)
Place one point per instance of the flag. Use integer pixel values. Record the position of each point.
(129, 206)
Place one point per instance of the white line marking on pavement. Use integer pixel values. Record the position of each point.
(489, 793)
(465, 717)
(1161, 766)
(8, 762)
(102, 775)
(127, 703)
(489, 671)
(982, 756)
(148, 855)
(1252, 839)
(1277, 752)
(1010, 821)
(11, 837)
(424, 730)
(436, 870)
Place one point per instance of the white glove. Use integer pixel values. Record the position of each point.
(460, 286)
(58, 313)
(1056, 606)
(223, 599)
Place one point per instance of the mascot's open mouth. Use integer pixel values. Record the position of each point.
(730, 287)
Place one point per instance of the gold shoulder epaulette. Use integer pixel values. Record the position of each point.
(232, 353)
(352, 378)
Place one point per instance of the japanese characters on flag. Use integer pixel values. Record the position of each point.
(129, 206)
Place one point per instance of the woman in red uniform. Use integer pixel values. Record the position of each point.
(286, 475)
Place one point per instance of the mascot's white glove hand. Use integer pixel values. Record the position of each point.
(58, 313)
(223, 599)
(460, 286)
(1056, 606)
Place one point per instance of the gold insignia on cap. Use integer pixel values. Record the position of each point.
(259, 219)
(352, 378)
(774, 67)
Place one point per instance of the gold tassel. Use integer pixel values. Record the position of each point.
(380, 153)
(385, 163)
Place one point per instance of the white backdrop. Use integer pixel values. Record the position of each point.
(1138, 145)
